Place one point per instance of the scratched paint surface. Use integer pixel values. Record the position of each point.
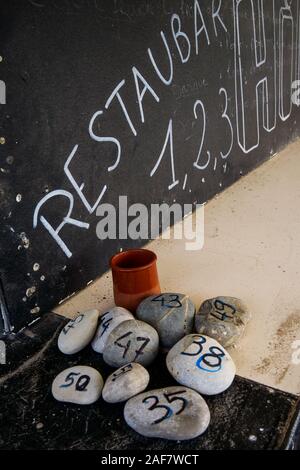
(160, 101)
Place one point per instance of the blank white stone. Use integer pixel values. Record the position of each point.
(108, 321)
(131, 341)
(79, 384)
(201, 363)
(175, 413)
(125, 382)
(78, 333)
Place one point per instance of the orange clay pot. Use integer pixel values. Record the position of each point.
(134, 277)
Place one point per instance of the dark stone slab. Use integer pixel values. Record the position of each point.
(247, 416)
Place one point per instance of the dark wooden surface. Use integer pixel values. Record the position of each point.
(31, 419)
(62, 59)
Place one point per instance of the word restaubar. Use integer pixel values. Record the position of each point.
(272, 95)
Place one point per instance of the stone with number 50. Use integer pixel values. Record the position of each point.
(201, 363)
(79, 384)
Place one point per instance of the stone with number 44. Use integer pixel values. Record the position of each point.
(201, 363)
(222, 318)
(79, 384)
(126, 382)
(108, 321)
(171, 314)
(131, 341)
(78, 333)
(175, 413)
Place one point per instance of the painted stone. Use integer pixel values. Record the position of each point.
(108, 321)
(131, 341)
(79, 384)
(175, 413)
(126, 382)
(222, 318)
(78, 333)
(201, 363)
(171, 314)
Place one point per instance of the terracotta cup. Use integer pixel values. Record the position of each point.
(134, 277)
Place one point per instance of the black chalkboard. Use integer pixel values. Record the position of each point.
(211, 82)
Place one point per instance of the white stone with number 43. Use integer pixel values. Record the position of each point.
(125, 382)
(201, 363)
(79, 384)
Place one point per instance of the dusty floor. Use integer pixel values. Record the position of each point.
(252, 251)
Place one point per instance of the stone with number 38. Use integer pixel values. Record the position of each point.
(201, 363)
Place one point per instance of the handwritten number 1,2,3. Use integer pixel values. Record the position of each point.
(81, 384)
(172, 302)
(127, 345)
(212, 360)
(170, 397)
(72, 324)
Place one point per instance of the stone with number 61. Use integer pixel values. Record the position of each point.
(171, 314)
(126, 382)
(201, 363)
(175, 413)
(131, 341)
(79, 384)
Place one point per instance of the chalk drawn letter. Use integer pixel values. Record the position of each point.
(286, 60)
(66, 220)
(262, 54)
(180, 34)
(216, 15)
(166, 81)
(116, 94)
(198, 31)
(140, 94)
(78, 188)
(104, 139)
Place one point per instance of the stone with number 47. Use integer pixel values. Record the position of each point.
(201, 363)
(175, 413)
(79, 384)
(131, 341)
(125, 382)
(171, 314)
(78, 333)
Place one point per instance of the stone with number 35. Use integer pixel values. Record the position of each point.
(175, 413)
(79, 384)
(201, 363)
